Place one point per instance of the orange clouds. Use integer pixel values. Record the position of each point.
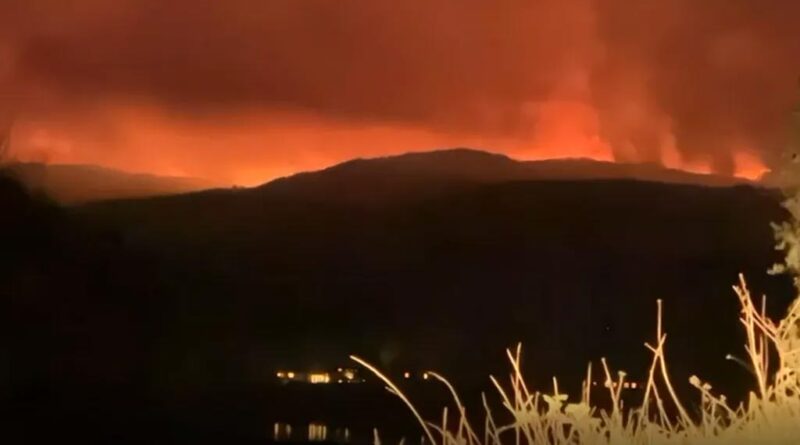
(250, 149)
(245, 90)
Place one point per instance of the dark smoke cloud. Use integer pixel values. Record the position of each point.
(722, 71)
(705, 76)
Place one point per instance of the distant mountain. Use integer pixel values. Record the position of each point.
(71, 184)
(412, 173)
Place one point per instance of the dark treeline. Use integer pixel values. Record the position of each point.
(79, 321)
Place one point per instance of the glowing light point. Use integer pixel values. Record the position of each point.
(320, 377)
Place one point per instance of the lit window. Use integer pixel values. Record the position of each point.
(322, 377)
(317, 432)
(281, 432)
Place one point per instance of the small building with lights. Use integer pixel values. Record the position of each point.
(340, 375)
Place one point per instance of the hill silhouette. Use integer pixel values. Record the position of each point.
(378, 255)
(389, 177)
(153, 309)
(412, 174)
(73, 184)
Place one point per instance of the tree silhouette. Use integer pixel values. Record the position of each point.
(787, 233)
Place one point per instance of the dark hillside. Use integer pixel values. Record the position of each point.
(142, 312)
(562, 265)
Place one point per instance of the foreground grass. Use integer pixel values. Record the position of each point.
(770, 415)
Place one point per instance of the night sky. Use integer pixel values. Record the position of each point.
(246, 90)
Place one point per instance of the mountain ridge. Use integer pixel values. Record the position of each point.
(395, 177)
(358, 180)
(463, 156)
(80, 183)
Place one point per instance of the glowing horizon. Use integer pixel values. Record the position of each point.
(251, 149)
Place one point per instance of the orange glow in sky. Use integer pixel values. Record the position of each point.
(250, 149)
(242, 91)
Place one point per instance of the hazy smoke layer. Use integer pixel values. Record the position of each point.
(643, 80)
